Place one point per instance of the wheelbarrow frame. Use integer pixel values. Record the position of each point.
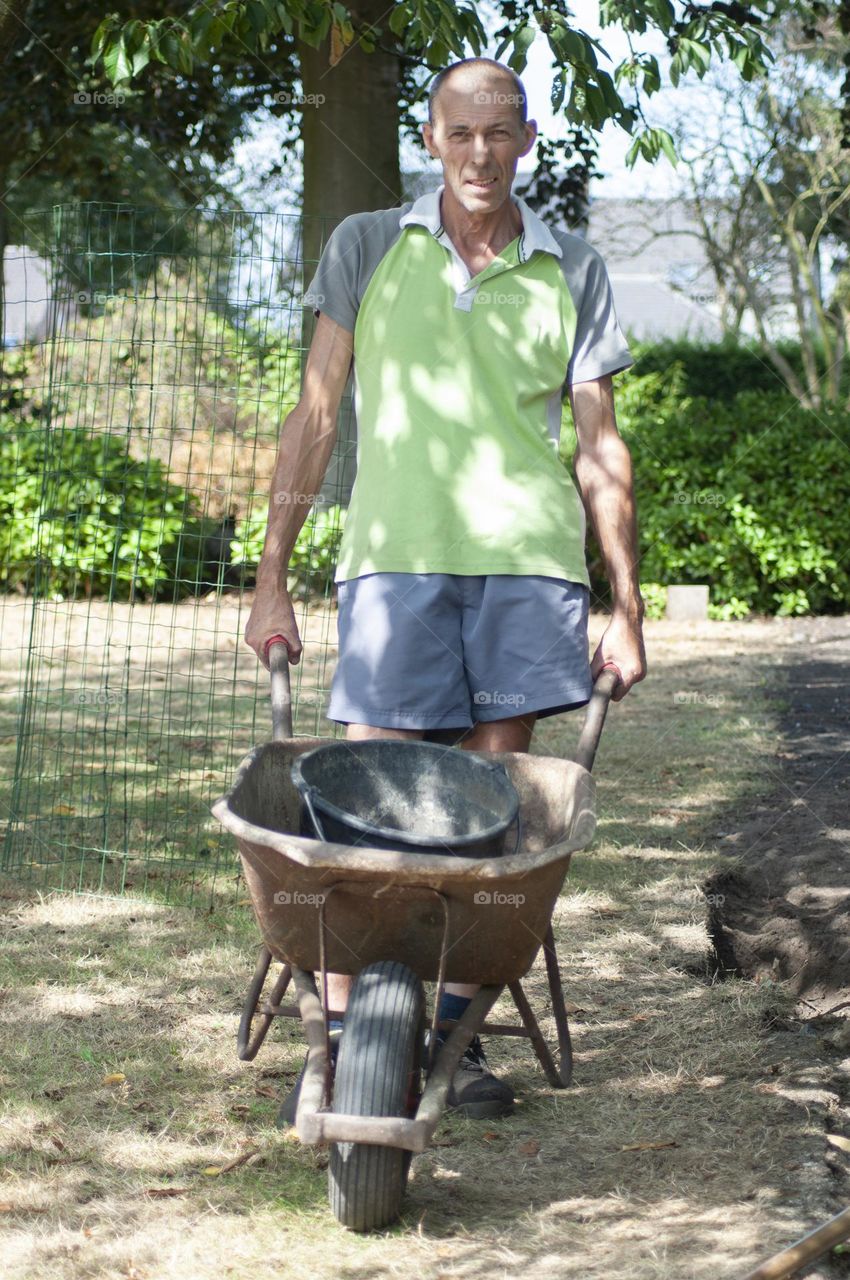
(353, 873)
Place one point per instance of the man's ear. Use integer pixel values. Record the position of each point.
(530, 128)
(428, 139)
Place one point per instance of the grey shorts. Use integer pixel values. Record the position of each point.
(444, 651)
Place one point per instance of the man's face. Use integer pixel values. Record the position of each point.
(478, 137)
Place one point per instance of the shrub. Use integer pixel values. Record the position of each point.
(748, 495)
(77, 515)
(721, 370)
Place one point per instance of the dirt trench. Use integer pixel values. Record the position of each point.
(782, 910)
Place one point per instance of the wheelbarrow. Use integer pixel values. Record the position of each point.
(394, 920)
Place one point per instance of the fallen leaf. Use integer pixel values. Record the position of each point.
(6, 1206)
(648, 1146)
(57, 1142)
(211, 1171)
(262, 1092)
(159, 1193)
(837, 1140)
(489, 1137)
(64, 808)
(530, 1148)
(116, 1077)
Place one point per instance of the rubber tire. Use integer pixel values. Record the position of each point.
(379, 1060)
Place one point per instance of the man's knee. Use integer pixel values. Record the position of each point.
(365, 732)
(511, 734)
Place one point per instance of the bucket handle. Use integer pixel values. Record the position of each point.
(307, 797)
(518, 821)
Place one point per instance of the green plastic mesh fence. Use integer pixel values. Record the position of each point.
(141, 402)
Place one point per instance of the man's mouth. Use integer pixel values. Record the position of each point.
(481, 183)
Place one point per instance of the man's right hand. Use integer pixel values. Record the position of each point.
(272, 614)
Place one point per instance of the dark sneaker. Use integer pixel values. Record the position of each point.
(474, 1091)
(289, 1106)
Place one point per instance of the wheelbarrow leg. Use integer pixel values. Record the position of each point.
(541, 1048)
(559, 1008)
(247, 1046)
(559, 1075)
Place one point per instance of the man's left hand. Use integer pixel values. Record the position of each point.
(622, 646)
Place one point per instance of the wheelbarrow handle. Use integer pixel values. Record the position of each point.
(603, 686)
(277, 652)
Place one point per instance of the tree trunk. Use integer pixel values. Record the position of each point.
(350, 127)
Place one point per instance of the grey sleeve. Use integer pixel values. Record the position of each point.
(599, 346)
(334, 287)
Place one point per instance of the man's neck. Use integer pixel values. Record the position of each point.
(478, 232)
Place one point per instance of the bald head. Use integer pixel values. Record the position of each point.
(489, 82)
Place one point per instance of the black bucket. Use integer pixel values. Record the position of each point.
(416, 797)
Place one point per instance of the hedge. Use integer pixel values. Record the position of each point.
(749, 495)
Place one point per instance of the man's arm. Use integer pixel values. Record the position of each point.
(603, 468)
(306, 444)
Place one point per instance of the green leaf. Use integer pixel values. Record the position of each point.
(667, 146)
(99, 38)
(651, 75)
(676, 66)
(142, 56)
(116, 62)
(398, 20)
(523, 40)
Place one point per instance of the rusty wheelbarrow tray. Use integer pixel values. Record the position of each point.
(324, 907)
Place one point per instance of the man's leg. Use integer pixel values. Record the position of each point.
(512, 734)
(339, 984)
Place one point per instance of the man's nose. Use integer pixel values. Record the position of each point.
(480, 147)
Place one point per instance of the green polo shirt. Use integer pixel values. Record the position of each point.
(458, 386)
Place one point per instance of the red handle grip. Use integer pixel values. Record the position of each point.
(275, 640)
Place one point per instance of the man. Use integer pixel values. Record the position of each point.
(462, 586)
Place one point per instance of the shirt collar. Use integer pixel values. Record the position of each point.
(425, 212)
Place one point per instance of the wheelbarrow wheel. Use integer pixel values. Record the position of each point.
(377, 1074)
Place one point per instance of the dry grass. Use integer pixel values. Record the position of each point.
(96, 986)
